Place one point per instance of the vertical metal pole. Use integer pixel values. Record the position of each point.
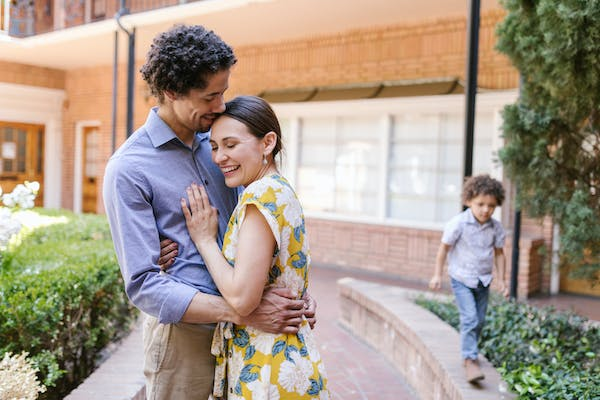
(514, 262)
(130, 67)
(471, 89)
(514, 274)
(115, 89)
(130, 82)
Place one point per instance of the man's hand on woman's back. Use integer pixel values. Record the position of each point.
(278, 312)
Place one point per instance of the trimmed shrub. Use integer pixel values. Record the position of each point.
(540, 352)
(61, 296)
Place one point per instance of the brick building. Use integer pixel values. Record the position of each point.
(369, 93)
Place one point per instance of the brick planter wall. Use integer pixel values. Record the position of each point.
(422, 347)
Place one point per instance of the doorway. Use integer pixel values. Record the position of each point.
(89, 184)
(22, 156)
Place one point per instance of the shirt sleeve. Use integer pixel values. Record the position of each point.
(499, 235)
(266, 203)
(452, 231)
(137, 245)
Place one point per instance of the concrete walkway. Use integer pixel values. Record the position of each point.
(356, 371)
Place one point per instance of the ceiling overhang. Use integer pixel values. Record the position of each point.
(239, 22)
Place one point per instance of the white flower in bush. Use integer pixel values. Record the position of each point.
(18, 378)
(21, 197)
(9, 226)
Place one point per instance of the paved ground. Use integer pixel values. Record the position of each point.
(355, 370)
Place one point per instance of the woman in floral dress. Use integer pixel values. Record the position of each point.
(265, 245)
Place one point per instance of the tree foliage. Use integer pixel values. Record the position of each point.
(552, 132)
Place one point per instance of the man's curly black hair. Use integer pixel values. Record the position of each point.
(183, 58)
(482, 185)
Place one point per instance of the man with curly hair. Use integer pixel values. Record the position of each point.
(187, 70)
(473, 242)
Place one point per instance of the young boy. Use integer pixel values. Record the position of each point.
(473, 242)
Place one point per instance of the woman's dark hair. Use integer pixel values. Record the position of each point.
(257, 115)
(482, 185)
(184, 58)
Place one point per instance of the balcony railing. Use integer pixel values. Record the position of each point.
(22, 18)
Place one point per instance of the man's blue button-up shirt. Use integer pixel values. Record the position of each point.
(143, 184)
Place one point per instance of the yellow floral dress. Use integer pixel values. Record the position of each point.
(252, 364)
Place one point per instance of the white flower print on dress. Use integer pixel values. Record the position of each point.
(290, 279)
(260, 187)
(311, 345)
(234, 367)
(262, 389)
(322, 372)
(285, 243)
(295, 376)
(229, 251)
(262, 341)
(293, 215)
(323, 395)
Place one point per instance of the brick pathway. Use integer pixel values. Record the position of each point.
(356, 371)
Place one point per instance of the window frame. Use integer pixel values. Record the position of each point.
(385, 110)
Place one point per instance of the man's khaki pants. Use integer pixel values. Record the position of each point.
(178, 363)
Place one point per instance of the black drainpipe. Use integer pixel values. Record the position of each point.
(471, 87)
(114, 98)
(130, 68)
(514, 262)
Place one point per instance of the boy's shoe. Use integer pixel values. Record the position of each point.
(473, 371)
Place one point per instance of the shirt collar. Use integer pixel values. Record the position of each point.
(160, 133)
(472, 220)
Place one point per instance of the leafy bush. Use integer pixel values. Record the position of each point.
(541, 353)
(552, 133)
(61, 296)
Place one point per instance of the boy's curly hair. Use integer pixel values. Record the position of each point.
(482, 185)
(183, 58)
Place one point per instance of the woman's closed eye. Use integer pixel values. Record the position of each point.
(227, 146)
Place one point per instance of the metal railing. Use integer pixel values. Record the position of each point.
(22, 18)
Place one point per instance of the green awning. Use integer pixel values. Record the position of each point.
(376, 90)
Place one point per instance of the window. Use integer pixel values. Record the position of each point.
(386, 160)
(338, 164)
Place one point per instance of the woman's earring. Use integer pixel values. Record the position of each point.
(265, 160)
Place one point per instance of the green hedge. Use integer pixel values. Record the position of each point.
(62, 297)
(540, 352)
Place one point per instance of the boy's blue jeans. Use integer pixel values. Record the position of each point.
(472, 305)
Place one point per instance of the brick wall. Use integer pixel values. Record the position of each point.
(23, 74)
(405, 252)
(429, 49)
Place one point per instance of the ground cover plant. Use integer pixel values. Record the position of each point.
(61, 296)
(541, 353)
